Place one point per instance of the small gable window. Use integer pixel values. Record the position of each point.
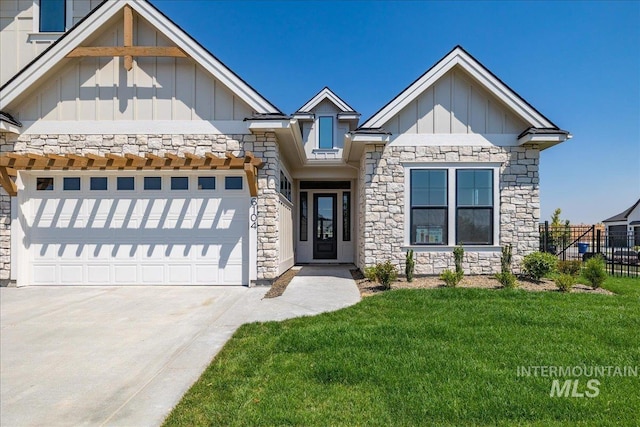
(52, 16)
(325, 132)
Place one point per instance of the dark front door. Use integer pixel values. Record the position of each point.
(325, 241)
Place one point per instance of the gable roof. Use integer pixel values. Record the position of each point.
(327, 94)
(54, 54)
(622, 216)
(460, 57)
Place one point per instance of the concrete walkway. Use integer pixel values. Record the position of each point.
(124, 356)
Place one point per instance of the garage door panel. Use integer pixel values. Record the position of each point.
(152, 274)
(169, 237)
(71, 274)
(98, 274)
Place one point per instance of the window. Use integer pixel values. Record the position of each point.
(52, 16)
(346, 216)
(44, 184)
(179, 183)
(303, 216)
(206, 183)
(71, 184)
(285, 186)
(325, 132)
(474, 206)
(429, 212)
(233, 183)
(125, 183)
(152, 183)
(98, 183)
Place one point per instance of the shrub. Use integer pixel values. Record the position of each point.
(507, 279)
(538, 264)
(383, 273)
(370, 273)
(595, 271)
(564, 282)
(458, 254)
(409, 265)
(451, 278)
(571, 267)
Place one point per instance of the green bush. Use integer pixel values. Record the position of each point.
(410, 264)
(451, 278)
(565, 282)
(458, 254)
(383, 273)
(595, 271)
(571, 267)
(507, 279)
(538, 264)
(370, 273)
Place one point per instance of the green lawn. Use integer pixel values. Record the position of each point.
(427, 357)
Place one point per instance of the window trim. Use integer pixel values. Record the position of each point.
(68, 18)
(451, 197)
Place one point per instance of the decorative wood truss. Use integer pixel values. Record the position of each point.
(11, 163)
(128, 51)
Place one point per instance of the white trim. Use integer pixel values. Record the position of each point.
(16, 231)
(325, 93)
(370, 138)
(68, 20)
(136, 127)
(9, 128)
(268, 125)
(461, 139)
(451, 168)
(100, 16)
(555, 138)
(460, 58)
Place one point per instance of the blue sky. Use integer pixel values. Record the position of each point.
(577, 62)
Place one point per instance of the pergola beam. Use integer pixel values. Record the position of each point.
(11, 163)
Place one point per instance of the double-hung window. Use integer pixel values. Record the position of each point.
(429, 211)
(451, 206)
(474, 206)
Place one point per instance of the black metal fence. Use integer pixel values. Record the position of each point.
(621, 251)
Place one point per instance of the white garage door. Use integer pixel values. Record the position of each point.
(135, 229)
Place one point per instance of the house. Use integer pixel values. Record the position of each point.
(132, 155)
(623, 230)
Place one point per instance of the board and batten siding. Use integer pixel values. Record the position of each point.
(20, 39)
(155, 89)
(309, 130)
(455, 104)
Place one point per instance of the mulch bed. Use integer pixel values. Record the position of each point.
(280, 285)
(368, 288)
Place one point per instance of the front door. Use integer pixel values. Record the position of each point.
(325, 241)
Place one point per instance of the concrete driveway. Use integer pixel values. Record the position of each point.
(125, 355)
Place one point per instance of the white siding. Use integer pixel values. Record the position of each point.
(20, 41)
(455, 104)
(155, 89)
(285, 228)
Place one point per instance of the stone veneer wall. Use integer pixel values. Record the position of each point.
(382, 205)
(262, 145)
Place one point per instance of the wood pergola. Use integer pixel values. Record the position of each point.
(11, 163)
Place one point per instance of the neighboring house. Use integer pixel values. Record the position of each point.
(131, 155)
(623, 230)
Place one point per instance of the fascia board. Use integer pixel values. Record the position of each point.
(75, 37)
(325, 93)
(459, 57)
(204, 58)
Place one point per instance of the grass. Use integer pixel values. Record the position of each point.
(427, 357)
